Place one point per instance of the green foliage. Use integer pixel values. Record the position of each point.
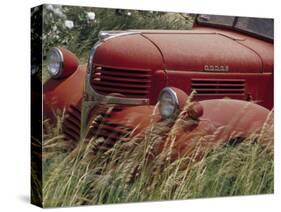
(84, 33)
(73, 28)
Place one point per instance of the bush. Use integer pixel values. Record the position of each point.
(77, 28)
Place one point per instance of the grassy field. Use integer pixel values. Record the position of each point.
(127, 172)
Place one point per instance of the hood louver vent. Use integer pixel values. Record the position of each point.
(129, 83)
(219, 87)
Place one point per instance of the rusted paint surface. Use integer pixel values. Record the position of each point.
(70, 63)
(60, 94)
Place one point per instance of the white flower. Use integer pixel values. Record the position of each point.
(58, 11)
(129, 13)
(50, 7)
(69, 24)
(91, 16)
(55, 28)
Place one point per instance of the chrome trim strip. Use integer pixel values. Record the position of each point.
(107, 35)
(91, 98)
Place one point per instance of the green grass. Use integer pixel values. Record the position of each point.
(129, 173)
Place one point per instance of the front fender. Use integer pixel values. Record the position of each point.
(222, 120)
(63, 93)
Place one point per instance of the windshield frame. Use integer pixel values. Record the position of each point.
(233, 27)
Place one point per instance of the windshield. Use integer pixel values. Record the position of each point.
(258, 26)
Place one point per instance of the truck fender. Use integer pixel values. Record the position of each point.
(62, 93)
(223, 120)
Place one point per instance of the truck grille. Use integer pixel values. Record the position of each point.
(111, 132)
(103, 127)
(130, 83)
(224, 87)
(71, 123)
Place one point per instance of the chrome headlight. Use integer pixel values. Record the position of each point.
(55, 63)
(168, 103)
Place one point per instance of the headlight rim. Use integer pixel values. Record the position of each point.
(61, 63)
(174, 99)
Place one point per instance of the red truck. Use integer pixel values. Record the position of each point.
(227, 61)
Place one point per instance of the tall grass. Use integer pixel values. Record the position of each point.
(131, 171)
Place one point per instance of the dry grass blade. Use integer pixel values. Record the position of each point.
(134, 171)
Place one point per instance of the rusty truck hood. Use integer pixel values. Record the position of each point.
(187, 50)
(132, 51)
(193, 50)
